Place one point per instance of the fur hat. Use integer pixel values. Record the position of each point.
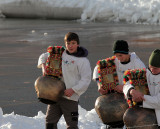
(154, 59)
(120, 46)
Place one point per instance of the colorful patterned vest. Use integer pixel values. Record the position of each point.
(107, 73)
(137, 78)
(54, 61)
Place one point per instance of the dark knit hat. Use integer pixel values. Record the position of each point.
(120, 46)
(154, 59)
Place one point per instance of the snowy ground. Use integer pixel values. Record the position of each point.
(87, 120)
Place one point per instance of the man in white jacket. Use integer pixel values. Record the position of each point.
(151, 101)
(124, 61)
(76, 72)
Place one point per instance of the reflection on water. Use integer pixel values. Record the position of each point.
(147, 39)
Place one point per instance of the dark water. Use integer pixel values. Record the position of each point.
(22, 41)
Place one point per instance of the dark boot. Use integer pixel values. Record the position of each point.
(118, 124)
(49, 126)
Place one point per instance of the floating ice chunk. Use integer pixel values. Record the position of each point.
(45, 34)
(33, 31)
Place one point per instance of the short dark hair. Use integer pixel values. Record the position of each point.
(71, 36)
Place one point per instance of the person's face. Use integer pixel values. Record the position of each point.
(122, 57)
(72, 46)
(154, 70)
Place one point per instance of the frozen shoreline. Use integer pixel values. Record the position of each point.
(138, 11)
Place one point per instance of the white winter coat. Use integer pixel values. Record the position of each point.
(135, 63)
(76, 73)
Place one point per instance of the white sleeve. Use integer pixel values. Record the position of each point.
(85, 77)
(138, 65)
(126, 88)
(42, 59)
(152, 102)
(95, 73)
